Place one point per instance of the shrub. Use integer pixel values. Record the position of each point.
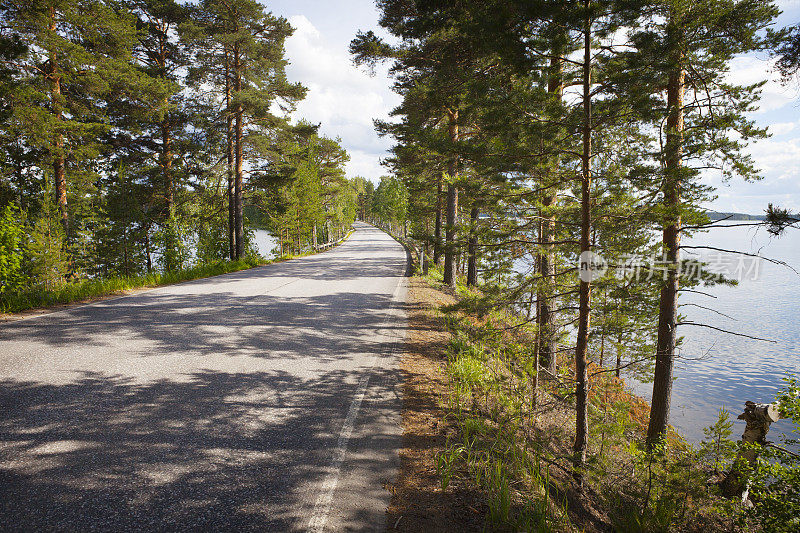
(11, 239)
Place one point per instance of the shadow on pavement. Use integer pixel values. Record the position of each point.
(219, 452)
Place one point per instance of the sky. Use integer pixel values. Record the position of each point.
(345, 99)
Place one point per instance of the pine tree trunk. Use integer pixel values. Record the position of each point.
(450, 252)
(472, 262)
(450, 257)
(147, 250)
(231, 154)
(437, 240)
(59, 163)
(166, 165)
(668, 304)
(231, 196)
(239, 180)
(166, 134)
(546, 318)
(581, 377)
(60, 175)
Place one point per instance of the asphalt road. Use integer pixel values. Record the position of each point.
(260, 400)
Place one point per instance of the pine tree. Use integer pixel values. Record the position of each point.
(689, 44)
(49, 262)
(432, 65)
(77, 51)
(244, 58)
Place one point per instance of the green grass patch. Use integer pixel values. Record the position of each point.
(77, 291)
(36, 297)
(491, 449)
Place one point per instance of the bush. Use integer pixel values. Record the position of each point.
(775, 479)
(11, 239)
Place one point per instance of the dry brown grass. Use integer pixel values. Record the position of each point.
(418, 503)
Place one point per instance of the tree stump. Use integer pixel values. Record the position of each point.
(758, 417)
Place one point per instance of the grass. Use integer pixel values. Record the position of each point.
(517, 451)
(78, 291)
(491, 449)
(82, 290)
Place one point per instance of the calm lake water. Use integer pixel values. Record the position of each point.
(265, 243)
(721, 370)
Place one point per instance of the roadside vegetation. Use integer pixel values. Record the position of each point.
(549, 165)
(83, 290)
(79, 291)
(86, 290)
(142, 142)
(508, 447)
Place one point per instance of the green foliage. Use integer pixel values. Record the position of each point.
(491, 451)
(49, 260)
(390, 201)
(786, 47)
(119, 110)
(717, 450)
(665, 493)
(171, 240)
(212, 243)
(313, 198)
(12, 236)
(778, 219)
(62, 293)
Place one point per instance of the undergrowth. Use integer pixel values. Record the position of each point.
(77, 291)
(516, 448)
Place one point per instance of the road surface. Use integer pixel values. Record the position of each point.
(260, 400)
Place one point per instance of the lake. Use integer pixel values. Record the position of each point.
(265, 243)
(722, 370)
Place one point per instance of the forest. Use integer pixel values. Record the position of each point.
(550, 157)
(147, 137)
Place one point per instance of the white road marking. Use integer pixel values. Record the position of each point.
(319, 516)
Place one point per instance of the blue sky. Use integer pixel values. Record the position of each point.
(345, 100)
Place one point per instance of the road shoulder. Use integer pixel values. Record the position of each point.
(418, 503)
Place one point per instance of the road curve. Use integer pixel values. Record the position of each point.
(260, 400)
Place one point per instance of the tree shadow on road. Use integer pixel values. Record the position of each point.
(219, 451)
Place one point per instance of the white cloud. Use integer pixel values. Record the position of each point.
(747, 70)
(782, 128)
(780, 184)
(777, 159)
(344, 99)
(365, 164)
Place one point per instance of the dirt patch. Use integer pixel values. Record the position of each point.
(418, 502)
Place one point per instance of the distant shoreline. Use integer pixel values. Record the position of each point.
(717, 215)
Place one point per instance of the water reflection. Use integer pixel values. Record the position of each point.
(265, 243)
(721, 370)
